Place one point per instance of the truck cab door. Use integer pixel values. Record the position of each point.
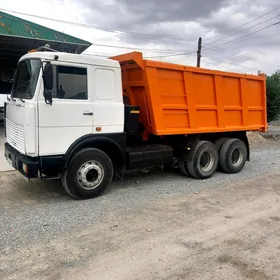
(71, 114)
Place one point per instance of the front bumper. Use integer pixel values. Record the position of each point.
(16, 159)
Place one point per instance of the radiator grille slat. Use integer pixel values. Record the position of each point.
(15, 135)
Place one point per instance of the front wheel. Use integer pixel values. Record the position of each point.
(89, 174)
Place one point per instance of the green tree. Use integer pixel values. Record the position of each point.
(273, 96)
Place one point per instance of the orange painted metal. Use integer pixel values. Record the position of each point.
(177, 99)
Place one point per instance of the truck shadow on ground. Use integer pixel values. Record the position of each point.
(14, 187)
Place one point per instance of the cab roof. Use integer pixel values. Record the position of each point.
(72, 58)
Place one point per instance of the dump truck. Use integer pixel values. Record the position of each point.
(89, 120)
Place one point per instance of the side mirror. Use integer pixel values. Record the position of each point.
(48, 76)
(48, 83)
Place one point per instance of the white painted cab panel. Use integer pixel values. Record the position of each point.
(62, 123)
(108, 107)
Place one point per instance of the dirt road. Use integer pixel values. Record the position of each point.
(230, 230)
(230, 233)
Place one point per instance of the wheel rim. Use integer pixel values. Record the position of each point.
(207, 161)
(90, 175)
(237, 157)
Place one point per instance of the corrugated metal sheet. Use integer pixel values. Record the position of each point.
(17, 27)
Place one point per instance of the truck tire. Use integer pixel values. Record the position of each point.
(219, 143)
(204, 161)
(65, 186)
(90, 172)
(233, 156)
(183, 168)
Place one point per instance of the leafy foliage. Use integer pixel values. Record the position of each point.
(273, 96)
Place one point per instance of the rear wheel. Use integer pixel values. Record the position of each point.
(233, 156)
(89, 174)
(204, 161)
(219, 143)
(183, 168)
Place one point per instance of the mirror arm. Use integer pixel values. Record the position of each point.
(47, 101)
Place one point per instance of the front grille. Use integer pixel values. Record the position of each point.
(15, 135)
(1, 114)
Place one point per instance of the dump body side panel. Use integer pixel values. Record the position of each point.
(175, 99)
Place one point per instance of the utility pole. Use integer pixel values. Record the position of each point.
(199, 47)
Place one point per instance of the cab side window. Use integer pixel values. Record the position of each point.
(71, 83)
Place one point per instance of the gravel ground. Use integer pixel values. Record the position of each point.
(36, 214)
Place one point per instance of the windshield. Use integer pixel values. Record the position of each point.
(26, 79)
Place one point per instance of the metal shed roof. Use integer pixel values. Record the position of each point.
(18, 36)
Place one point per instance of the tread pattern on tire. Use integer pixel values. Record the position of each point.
(183, 168)
(192, 164)
(220, 142)
(64, 184)
(225, 159)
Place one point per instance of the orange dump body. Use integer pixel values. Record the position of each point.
(176, 99)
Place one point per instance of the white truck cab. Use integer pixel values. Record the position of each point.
(59, 101)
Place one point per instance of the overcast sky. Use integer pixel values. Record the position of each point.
(162, 28)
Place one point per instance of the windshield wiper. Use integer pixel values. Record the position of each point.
(12, 97)
(19, 95)
(21, 99)
(8, 98)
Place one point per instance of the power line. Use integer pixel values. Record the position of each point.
(255, 45)
(244, 24)
(249, 34)
(209, 63)
(123, 32)
(241, 31)
(223, 61)
(146, 57)
(172, 55)
(141, 49)
(119, 47)
(231, 63)
(163, 56)
(216, 49)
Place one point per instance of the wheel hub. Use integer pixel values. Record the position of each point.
(237, 157)
(90, 175)
(207, 161)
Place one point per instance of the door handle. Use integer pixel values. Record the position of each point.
(88, 114)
